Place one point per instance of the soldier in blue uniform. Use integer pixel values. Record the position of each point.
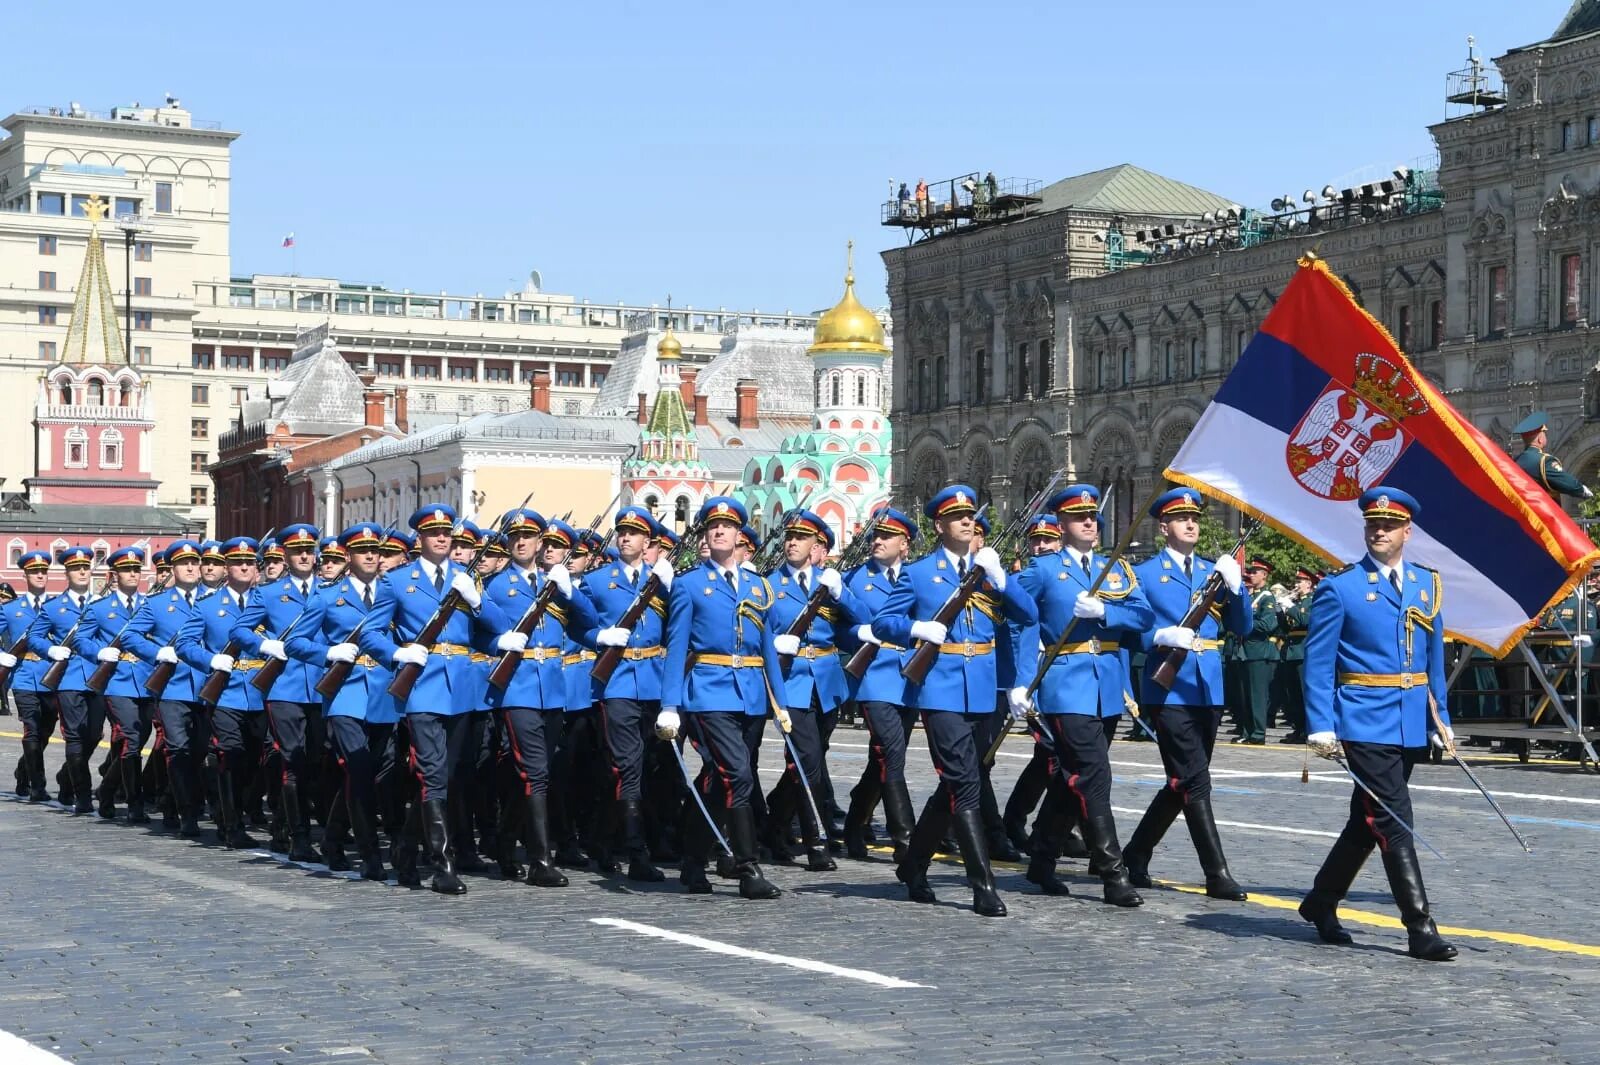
(406, 599)
(294, 709)
(632, 696)
(1186, 715)
(361, 716)
(1085, 684)
(1542, 466)
(213, 565)
(721, 668)
(533, 705)
(83, 712)
(1374, 666)
(880, 694)
(958, 693)
(99, 640)
(577, 759)
(238, 721)
(36, 704)
(814, 683)
(153, 637)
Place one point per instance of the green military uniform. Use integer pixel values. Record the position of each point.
(1259, 654)
(1542, 466)
(1291, 667)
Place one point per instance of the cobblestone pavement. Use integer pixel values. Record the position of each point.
(122, 945)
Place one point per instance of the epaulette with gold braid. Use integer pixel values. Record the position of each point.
(986, 605)
(1121, 589)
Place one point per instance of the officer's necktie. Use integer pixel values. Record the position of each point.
(1188, 567)
(366, 596)
(894, 574)
(438, 579)
(732, 582)
(1394, 578)
(801, 577)
(1083, 564)
(961, 568)
(188, 597)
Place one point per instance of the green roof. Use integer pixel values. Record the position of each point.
(1583, 18)
(668, 417)
(1132, 190)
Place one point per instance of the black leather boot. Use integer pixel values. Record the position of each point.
(1333, 880)
(508, 829)
(1164, 809)
(82, 786)
(1105, 858)
(22, 772)
(973, 841)
(1043, 851)
(742, 837)
(467, 858)
(333, 852)
(898, 815)
(912, 870)
(230, 830)
(366, 834)
(133, 785)
(30, 770)
(640, 868)
(542, 872)
(437, 828)
(697, 842)
(66, 785)
(300, 849)
(1208, 845)
(181, 785)
(818, 858)
(404, 851)
(858, 819)
(1405, 880)
(780, 816)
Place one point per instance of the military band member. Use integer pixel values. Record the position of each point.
(82, 711)
(880, 694)
(814, 684)
(1186, 715)
(721, 667)
(631, 697)
(127, 703)
(406, 600)
(1296, 611)
(1374, 664)
(957, 696)
(185, 727)
(1258, 653)
(238, 720)
(36, 704)
(1084, 686)
(1542, 466)
(360, 717)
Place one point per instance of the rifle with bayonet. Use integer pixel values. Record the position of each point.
(1171, 658)
(853, 557)
(684, 557)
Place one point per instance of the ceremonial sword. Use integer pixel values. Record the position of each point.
(698, 801)
(1337, 759)
(1450, 749)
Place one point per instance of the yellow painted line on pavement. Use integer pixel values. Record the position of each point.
(54, 736)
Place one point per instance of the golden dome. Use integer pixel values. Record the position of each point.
(849, 327)
(669, 348)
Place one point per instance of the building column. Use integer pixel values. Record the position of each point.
(330, 504)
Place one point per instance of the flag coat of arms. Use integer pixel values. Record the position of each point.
(1322, 405)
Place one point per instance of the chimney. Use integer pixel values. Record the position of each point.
(372, 408)
(686, 386)
(539, 397)
(644, 409)
(402, 418)
(744, 404)
(700, 417)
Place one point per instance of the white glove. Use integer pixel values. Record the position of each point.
(929, 631)
(667, 724)
(8, 660)
(343, 652)
(168, 655)
(781, 716)
(662, 571)
(107, 654)
(467, 588)
(1175, 636)
(274, 649)
(987, 560)
(1445, 742)
(1583, 640)
(749, 567)
(1019, 702)
(830, 580)
(222, 663)
(864, 634)
(58, 653)
(1324, 744)
(559, 577)
(615, 636)
(786, 644)
(1586, 493)
(1228, 570)
(513, 642)
(412, 654)
(1088, 606)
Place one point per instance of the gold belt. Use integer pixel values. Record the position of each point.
(634, 654)
(966, 649)
(576, 657)
(1205, 645)
(1384, 680)
(703, 658)
(31, 657)
(127, 657)
(540, 654)
(816, 652)
(1091, 647)
(366, 660)
(449, 650)
(479, 656)
(250, 663)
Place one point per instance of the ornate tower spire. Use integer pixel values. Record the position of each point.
(92, 332)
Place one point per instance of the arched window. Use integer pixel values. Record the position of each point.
(110, 449)
(1127, 366)
(861, 390)
(939, 382)
(1197, 357)
(14, 551)
(838, 390)
(1166, 364)
(96, 396)
(680, 512)
(127, 394)
(77, 441)
(64, 392)
(1046, 371)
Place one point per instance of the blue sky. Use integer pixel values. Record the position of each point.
(724, 152)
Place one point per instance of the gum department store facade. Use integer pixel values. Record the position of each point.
(1069, 333)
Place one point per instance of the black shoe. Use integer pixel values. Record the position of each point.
(1001, 849)
(569, 854)
(855, 843)
(986, 901)
(372, 868)
(1292, 737)
(1073, 847)
(136, 813)
(1423, 940)
(742, 837)
(237, 839)
(1042, 871)
(692, 877)
(818, 860)
(1208, 846)
(437, 833)
(1326, 919)
(916, 882)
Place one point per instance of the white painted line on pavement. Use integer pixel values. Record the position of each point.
(1249, 826)
(866, 976)
(265, 896)
(15, 1050)
(679, 993)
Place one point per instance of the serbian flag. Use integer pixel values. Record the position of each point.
(288, 242)
(1322, 406)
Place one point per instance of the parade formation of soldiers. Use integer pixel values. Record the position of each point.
(532, 696)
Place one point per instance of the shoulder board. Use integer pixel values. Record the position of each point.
(1345, 569)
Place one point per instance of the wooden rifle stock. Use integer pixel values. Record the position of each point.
(336, 674)
(405, 678)
(506, 668)
(802, 622)
(217, 682)
(57, 671)
(17, 650)
(861, 660)
(1172, 657)
(606, 662)
(916, 667)
(160, 677)
(100, 679)
(268, 674)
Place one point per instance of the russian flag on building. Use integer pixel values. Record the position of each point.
(288, 242)
(1322, 406)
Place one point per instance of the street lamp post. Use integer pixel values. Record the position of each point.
(130, 225)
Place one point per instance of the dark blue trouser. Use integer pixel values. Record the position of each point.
(237, 737)
(719, 737)
(1187, 735)
(532, 736)
(627, 724)
(83, 721)
(438, 743)
(889, 726)
(366, 754)
(1386, 769)
(298, 730)
(39, 712)
(130, 723)
(953, 744)
(1080, 760)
